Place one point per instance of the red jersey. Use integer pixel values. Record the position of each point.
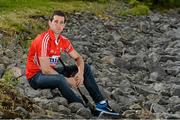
(45, 45)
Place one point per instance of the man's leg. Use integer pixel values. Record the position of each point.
(89, 81)
(54, 81)
(90, 84)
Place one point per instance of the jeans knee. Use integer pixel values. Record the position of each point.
(87, 67)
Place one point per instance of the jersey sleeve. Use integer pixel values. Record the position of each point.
(68, 47)
(41, 44)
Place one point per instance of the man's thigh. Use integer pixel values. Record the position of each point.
(68, 71)
(50, 81)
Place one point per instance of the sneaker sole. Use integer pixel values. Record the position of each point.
(111, 113)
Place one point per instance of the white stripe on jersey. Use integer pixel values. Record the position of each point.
(36, 60)
(44, 45)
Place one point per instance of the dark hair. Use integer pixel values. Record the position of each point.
(58, 13)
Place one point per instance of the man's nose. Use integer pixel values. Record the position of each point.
(59, 26)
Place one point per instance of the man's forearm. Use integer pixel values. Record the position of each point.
(80, 64)
(49, 71)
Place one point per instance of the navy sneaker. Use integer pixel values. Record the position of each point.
(104, 107)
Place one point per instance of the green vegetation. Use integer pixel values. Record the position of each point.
(15, 12)
(136, 8)
(9, 79)
(27, 18)
(162, 3)
(10, 100)
(142, 7)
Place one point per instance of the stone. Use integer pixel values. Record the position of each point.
(75, 107)
(2, 69)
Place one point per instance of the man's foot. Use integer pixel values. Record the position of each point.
(104, 107)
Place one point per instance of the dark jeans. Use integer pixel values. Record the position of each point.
(43, 81)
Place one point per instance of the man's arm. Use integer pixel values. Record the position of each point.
(80, 64)
(47, 69)
(45, 66)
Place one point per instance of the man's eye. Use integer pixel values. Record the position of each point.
(56, 21)
(61, 23)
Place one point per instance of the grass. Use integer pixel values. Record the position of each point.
(15, 12)
(15, 15)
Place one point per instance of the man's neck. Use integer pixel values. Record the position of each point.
(56, 36)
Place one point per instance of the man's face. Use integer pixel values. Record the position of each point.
(57, 24)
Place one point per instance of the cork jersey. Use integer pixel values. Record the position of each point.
(45, 45)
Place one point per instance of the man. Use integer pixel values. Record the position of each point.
(41, 71)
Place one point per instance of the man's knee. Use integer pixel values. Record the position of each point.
(87, 67)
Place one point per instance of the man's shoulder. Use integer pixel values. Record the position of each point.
(41, 36)
(64, 38)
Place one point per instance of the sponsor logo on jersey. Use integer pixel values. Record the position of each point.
(54, 60)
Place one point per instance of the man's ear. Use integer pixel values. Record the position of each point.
(49, 22)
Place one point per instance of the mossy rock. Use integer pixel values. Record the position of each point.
(10, 100)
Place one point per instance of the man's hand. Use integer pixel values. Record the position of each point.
(72, 82)
(79, 78)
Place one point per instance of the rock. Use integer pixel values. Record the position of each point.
(53, 106)
(5, 60)
(155, 17)
(55, 115)
(64, 110)
(16, 71)
(75, 107)
(30, 92)
(9, 53)
(38, 109)
(2, 69)
(46, 93)
(174, 100)
(116, 36)
(61, 101)
(135, 62)
(154, 76)
(109, 60)
(176, 108)
(23, 112)
(1, 36)
(158, 108)
(130, 114)
(84, 112)
(176, 91)
(159, 87)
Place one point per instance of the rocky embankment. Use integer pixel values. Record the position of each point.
(136, 63)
